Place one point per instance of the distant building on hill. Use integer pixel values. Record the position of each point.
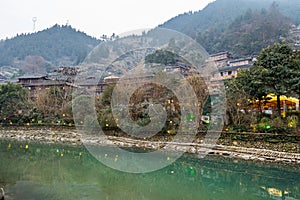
(226, 68)
(219, 57)
(232, 67)
(294, 36)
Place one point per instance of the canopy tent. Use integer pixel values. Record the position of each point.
(286, 103)
(289, 102)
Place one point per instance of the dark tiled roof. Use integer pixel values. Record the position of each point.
(222, 69)
(240, 60)
(32, 76)
(47, 83)
(89, 82)
(220, 53)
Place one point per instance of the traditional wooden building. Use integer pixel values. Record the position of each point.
(36, 83)
(227, 71)
(219, 58)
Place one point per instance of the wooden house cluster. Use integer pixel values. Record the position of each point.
(64, 78)
(36, 83)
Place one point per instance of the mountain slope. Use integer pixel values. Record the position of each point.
(248, 34)
(58, 45)
(221, 13)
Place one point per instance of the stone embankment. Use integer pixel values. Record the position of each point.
(48, 135)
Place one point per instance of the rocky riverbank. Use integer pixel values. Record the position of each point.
(225, 148)
(42, 134)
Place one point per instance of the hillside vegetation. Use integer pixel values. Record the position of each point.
(58, 45)
(221, 13)
(247, 34)
(242, 27)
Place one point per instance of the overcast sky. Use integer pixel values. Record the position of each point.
(94, 17)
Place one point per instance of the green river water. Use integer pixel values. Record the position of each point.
(31, 171)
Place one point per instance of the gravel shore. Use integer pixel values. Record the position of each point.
(71, 136)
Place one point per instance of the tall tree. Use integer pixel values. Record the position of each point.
(273, 65)
(237, 96)
(251, 82)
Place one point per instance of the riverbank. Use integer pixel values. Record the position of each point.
(42, 134)
(224, 147)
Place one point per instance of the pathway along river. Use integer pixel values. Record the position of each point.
(52, 171)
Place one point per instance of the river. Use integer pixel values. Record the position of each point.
(31, 171)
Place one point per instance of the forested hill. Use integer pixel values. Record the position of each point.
(58, 45)
(242, 27)
(221, 13)
(248, 34)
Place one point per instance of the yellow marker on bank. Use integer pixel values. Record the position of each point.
(26, 146)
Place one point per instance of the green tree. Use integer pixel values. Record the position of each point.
(272, 70)
(251, 81)
(294, 72)
(14, 101)
(248, 33)
(162, 57)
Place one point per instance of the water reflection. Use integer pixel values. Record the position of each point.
(44, 171)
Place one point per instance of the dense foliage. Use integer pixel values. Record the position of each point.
(275, 72)
(294, 71)
(162, 57)
(247, 34)
(14, 101)
(242, 27)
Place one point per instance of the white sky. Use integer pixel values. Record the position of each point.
(94, 17)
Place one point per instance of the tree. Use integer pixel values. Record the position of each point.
(248, 33)
(162, 57)
(237, 95)
(251, 81)
(201, 90)
(54, 101)
(272, 70)
(14, 100)
(35, 64)
(294, 72)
